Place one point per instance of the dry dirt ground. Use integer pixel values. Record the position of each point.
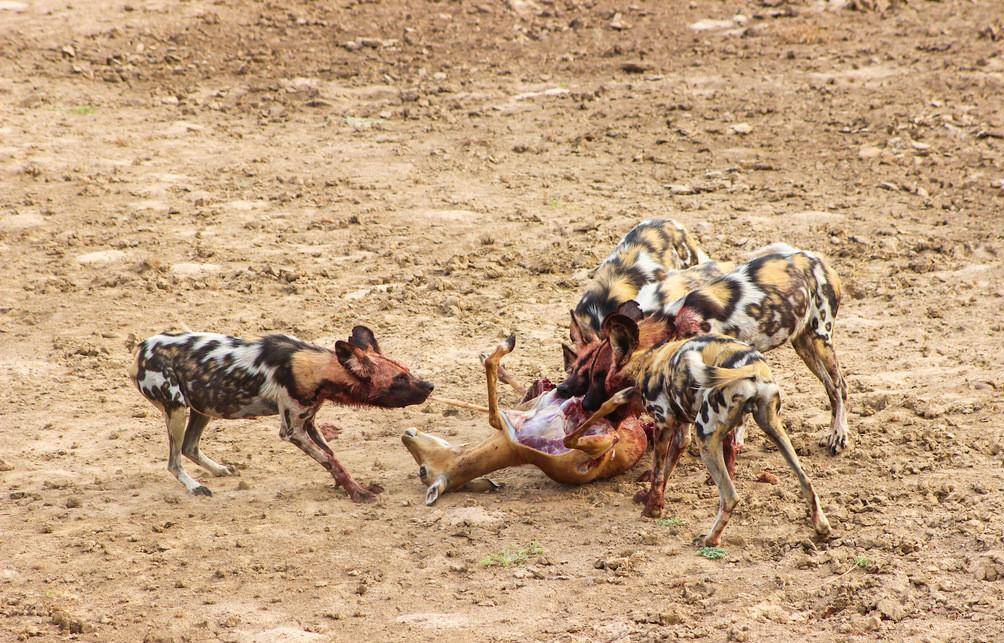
(446, 172)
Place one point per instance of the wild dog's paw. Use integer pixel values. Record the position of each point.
(362, 495)
(834, 442)
(329, 431)
(652, 510)
(374, 488)
(201, 490)
(641, 495)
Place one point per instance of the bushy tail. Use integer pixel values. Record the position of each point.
(722, 377)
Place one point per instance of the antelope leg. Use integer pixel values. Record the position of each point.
(459, 404)
(506, 378)
(619, 399)
(492, 375)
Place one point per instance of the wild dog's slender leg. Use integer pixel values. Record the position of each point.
(492, 374)
(190, 447)
(506, 378)
(729, 451)
(712, 427)
(175, 418)
(294, 429)
(818, 354)
(674, 438)
(768, 402)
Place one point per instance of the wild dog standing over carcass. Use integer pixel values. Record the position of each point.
(783, 295)
(639, 262)
(535, 432)
(712, 382)
(788, 295)
(206, 375)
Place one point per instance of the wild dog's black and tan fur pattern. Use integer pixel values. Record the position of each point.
(791, 295)
(642, 259)
(711, 382)
(207, 375)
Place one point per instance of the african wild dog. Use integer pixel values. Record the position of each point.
(652, 297)
(633, 270)
(206, 375)
(711, 382)
(786, 296)
(776, 297)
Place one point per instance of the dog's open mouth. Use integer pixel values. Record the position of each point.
(544, 427)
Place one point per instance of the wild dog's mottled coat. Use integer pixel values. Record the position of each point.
(783, 296)
(641, 260)
(207, 375)
(711, 382)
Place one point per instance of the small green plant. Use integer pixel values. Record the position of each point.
(670, 522)
(509, 557)
(862, 562)
(712, 553)
(82, 110)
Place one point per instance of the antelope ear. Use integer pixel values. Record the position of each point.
(579, 334)
(631, 309)
(623, 335)
(570, 356)
(435, 490)
(363, 338)
(354, 359)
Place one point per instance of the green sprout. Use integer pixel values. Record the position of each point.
(509, 557)
(712, 553)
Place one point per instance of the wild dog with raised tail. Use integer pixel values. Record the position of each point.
(711, 382)
(642, 259)
(206, 375)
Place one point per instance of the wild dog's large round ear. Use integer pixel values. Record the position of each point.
(580, 334)
(631, 309)
(622, 332)
(354, 359)
(570, 355)
(363, 338)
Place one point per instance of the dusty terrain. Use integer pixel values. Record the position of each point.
(446, 172)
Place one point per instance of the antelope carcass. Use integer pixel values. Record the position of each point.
(553, 434)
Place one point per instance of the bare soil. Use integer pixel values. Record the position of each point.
(446, 172)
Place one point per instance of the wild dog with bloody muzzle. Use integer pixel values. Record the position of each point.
(206, 375)
(639, 262)
(712, 382)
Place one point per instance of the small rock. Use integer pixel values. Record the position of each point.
(635, 67)
(891, 609)
(869, 152)
(68, 51)
(681, 189)
(742, 129)
(73, 502)
(617, 23)
(5, 466)
(243, 485)
(768, 477)
(169, 100)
